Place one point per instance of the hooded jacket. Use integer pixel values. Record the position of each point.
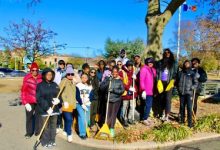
(186, 82)
(147, 78)
(46, 91)
(117, 89)
(28, 90)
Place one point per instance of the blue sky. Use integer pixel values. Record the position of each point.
(82, 23)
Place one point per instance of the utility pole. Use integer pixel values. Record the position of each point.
(178, 44)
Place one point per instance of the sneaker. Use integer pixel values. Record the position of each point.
(53, 144)
(49, 145)
(112, 133)
(64, 133)
(146, 123)
(58, 130)
(83, 137)
(27, 136)
(69, 138)
(126, 124)
(131, 122)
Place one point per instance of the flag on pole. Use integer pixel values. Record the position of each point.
(187, 7)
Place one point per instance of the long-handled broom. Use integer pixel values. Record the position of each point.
(133, 102)
(104, 131)
(37, 143)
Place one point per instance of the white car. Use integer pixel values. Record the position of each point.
(2, 74)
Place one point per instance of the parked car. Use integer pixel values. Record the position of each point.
(6, 71)
(2, 74)
(17, 73)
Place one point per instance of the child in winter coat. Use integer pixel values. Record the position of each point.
(147, 78)
(187, 82)
(85, 90)
(115, 91)
(46, 94)
(129, 98)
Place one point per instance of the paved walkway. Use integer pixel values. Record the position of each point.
(13, 127)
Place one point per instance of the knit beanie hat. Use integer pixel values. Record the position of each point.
(34, 65)
(69, 69)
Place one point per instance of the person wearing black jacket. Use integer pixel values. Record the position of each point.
(186, 83)
(46, 94)
(166, 74)
(202, 78)
(94, 101)
(116, 90)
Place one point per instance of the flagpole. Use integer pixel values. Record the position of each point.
(178, 44)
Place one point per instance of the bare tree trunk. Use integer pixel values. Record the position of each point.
(156, 22)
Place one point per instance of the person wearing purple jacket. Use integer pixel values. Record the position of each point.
(147, 81)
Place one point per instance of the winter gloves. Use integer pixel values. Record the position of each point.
(84, 107)
(55, 101)
(144, 95)
(28, 107)
(50, 111)
(170, 85)
(160, 86)
(65, 105)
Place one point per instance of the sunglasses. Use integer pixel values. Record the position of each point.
(34, 70)
(167, 52)
(119, 64)
(92, 72)
(70, 74)
(61, 64)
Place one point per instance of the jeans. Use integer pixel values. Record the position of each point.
(186, 100)
(83, 119)
(49, 133)
(68, 121)
(113, 109)
(93, 109)
(127, 109)
(148, 102)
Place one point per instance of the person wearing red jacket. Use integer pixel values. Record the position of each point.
(28, 98)
(128, 98)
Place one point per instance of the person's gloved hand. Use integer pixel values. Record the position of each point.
(160, 86)
(170, 85)
(144, 95)
(88, 103)
(65, 105)
(28, 107)
(84, 107)
(134, 77)
(56, 101)
(50, 111)
(110, 90)
(132, 89)
(197, 75)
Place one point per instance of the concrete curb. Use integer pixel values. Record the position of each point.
(108, 145)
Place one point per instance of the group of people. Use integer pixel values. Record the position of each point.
(67, 94)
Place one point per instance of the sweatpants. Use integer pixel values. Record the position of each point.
(49, 133)
(127, 109)
(113, 109)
